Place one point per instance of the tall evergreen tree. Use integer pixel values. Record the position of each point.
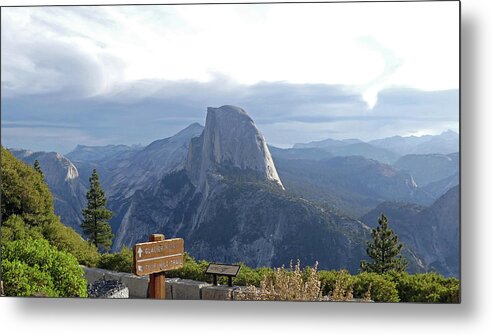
(95, 225)
(384, 250)
(37, 167)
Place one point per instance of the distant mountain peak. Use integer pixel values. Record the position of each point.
(230, 139)
(449, 134)
(193, 130)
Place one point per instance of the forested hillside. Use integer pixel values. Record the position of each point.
(40, 255)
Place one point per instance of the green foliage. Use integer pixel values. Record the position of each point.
(58, 235)
(196, 271)
(426, 287)
(393, 286)
(381, 289)
(329, 278)
(14, 228)
(248, 276)
(390, 287)
(342, 288)
(120, 262)
(22, 280)
(27, 211)
(37, 168)
(67, 239)
(54, 273)
(95, 225)
(384, 250)
(24, 192)
(191, 270)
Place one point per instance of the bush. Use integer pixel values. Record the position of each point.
(191, 270)
(27, 211)
(24, 192)
(378, 286)
(342, 289)
(328, 280)
(67, 239)
(14, 228)
(196, 271)
(248, 276)
(34, 266)
(23, 280)
(426, 287)
(121, 261)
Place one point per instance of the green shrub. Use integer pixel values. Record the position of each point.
(121, 261)
(54, 273)
(23, 280)
(191, 270)
(14, 228)
(329, 278)
(426, 287)
(27, 211)
(24, 192)
(343, 290)
(248, 276)
(196, 271)
(379, 287)
(67, 239)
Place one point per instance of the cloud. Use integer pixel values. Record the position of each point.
(42, 55)
(87, 51)
(133, 74)
(285, 113)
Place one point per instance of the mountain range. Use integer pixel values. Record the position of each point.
(234, 198)
(390, 149)
(430, 232)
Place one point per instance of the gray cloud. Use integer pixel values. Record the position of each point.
(61, 88)
(46, 56)
(286, 113)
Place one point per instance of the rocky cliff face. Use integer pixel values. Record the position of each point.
(248, 222)
(230, 141)
(229, 205)
(62, 177)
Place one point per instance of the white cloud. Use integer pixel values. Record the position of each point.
(406, 44)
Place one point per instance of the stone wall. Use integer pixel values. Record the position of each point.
(176, 288)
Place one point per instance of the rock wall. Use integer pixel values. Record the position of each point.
(176, 288)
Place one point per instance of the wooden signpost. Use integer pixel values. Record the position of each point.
(156, 256)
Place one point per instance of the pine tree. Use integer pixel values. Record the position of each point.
(95, 225)
(384, 250)
(37, 167)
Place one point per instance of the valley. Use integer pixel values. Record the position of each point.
(235, 198)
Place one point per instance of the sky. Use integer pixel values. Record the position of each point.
(304, 72)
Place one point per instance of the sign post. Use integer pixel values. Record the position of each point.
(156, 256)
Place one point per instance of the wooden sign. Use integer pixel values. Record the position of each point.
(158, 256)
(154, 257)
